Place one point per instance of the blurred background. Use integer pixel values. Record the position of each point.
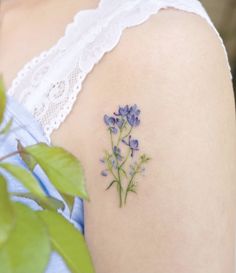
(223, 15)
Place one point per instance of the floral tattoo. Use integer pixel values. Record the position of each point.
(120, 127)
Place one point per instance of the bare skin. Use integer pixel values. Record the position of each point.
(183, 217)
(22, 25)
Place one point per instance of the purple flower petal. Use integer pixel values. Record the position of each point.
(137, 121)
(106, 119)
(119, 122)
(110, 121)
(134, 110)
(123, 111)
(104, 173)
(131, 119)
(133, 144)
(102, 160)
(114, 130)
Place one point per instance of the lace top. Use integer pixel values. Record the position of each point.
(48, 85)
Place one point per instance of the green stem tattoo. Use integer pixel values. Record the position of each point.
(129, 187)
(120, 189)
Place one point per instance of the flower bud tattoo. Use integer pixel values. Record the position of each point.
(119, 162)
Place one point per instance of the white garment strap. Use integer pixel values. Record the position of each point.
(49, 85)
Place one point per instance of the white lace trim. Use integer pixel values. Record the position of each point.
(49, 84)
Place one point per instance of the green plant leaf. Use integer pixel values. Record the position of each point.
(68, 242)
(2, 99)
(25, 177)
(48, 202)
(27, 158)
(62, 168)
(132, 191)
(111, 184)
(7, 127)
(7, 215)
(69, 200)
(27, 249)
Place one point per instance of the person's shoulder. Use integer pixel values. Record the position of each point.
(171, 37)
(171, 43)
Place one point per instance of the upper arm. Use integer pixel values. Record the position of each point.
(182, 217)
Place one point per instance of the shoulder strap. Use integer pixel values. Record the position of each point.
(58, 74)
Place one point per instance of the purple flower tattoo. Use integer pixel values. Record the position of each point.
(123, 150)
(132, 143)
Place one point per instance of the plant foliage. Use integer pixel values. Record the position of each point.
(27, 236)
